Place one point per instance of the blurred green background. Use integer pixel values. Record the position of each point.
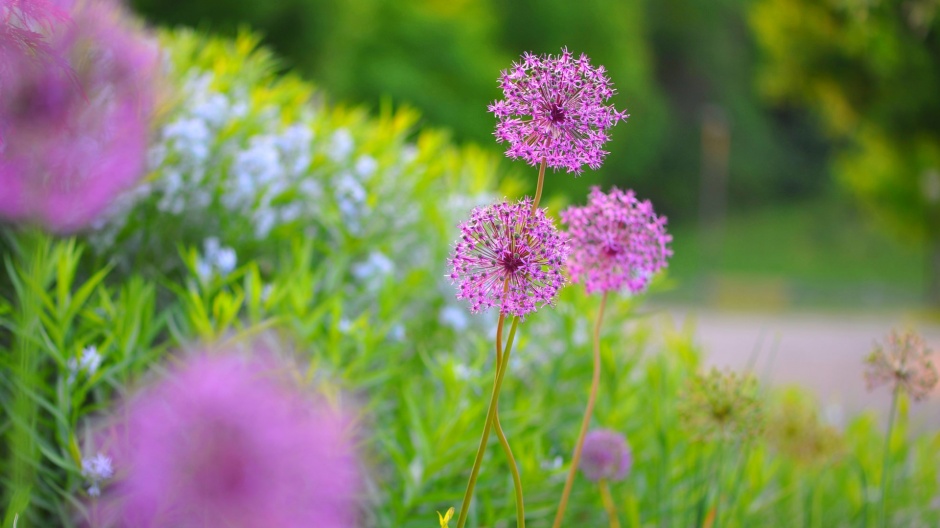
(794, 144)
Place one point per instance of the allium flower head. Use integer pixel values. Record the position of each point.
(508, 258)
(616, 241)
(554, 111)
(606, 455)
(722, 406)
(228, 441)
(74, 118)
(904, 362)
(794, 428)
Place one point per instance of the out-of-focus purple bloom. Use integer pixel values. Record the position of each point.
(74, 118)
(508, 258)
(25, 27)
(554, 111)
(606, 455)
(226, 440)
(616, 241)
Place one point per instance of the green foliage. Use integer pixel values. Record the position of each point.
(872, 71)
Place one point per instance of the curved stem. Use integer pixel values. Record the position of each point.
(887, 458)
(586, 421)
(516, 478)
(609, 504)
(538, 187)
(490, 415)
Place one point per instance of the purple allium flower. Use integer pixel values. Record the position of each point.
(226, 440)
(616, 241)
(606, 455)
(25, 26)
(510, 257)
(903, 361)
(554, 111)
(74, 119)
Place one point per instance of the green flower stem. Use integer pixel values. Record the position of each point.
(586, 421)
(490, 415)
(719, 474)
(609, 504)
(886, 463)
(538, 186)
(24, 456)
(516, 479)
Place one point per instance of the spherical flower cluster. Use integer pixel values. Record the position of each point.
(510, 257)
(616, 241)
(227, 440)
(554, 111)
(722, 406)
(73, 118)
(904, 362)
(605, 456)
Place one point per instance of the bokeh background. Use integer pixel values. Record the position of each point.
(794, 144)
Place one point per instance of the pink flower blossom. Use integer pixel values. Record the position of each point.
(616, 241)
(227, 440)
(508, 258)
(77, 93)
(554, 111)
(606, 455)
(904, 362)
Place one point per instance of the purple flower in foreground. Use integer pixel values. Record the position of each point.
(74, 116)
(24, 32)
(616, 241)
(508, 258)
(904, 362)
(606, 455)
(554, 111)
(229, 441)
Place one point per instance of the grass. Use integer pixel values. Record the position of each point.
(820, 254)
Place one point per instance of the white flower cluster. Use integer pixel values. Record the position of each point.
(95, 470)
(88, 361)
(216, 260)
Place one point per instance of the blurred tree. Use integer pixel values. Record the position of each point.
(871, 68)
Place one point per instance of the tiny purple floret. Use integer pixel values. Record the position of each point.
(606, 455)
(509, 258)
(616, 241)
(554, 111)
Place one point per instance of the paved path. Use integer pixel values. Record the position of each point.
(823, 352)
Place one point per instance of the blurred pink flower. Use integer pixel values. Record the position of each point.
(77, 93)
(227, 440)
(554, 111)
(616, 241)
(606, 455)
(510, 257)
(904, 362)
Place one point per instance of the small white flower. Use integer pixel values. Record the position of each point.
(213, 109)
(454, 317)
(366, 166)
(225, 260)
(376, 266)
(190, 136)
(341, 145)
(95, 470)
(90, 360)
